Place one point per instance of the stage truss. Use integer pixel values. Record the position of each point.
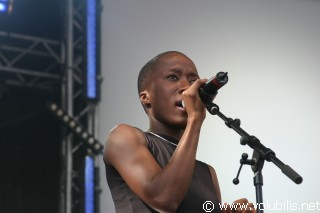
(59, 66)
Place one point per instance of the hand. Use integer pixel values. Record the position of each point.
(239, 206)
(192, 101)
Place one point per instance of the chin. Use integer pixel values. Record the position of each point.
(181, 125)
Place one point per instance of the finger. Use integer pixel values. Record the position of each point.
(242, 201)
(242, 206)
(198, 83)
(193, 90)
(226, 208)
(194, 87)
(248, 208)
(251, 208)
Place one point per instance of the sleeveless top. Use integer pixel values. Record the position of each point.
(200, 190)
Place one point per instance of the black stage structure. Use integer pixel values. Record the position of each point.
(43, 60)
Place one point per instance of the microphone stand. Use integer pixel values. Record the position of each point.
(260, 154)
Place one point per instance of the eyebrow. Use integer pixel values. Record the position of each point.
(190, 73)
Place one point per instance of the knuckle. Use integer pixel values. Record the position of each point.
(244, 200)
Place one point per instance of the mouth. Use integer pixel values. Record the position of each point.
(180, 104)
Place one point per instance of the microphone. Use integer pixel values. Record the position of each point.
(210, 89)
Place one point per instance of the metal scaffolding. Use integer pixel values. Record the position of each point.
(58, 65)
(76, 105)
(18, 54)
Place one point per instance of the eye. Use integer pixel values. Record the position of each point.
(193, 80)
(172, 77)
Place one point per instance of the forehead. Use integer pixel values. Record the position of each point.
(174, 61)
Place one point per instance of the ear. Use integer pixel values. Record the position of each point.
(145, 99)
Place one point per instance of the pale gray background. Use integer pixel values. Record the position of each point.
(271, 49)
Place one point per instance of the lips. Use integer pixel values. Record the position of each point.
(180, 104)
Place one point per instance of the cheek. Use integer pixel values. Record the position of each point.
(161, 98)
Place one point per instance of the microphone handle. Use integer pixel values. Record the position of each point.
(210, 89)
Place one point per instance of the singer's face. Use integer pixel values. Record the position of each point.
(172, 74)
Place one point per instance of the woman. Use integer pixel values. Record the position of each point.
(157, 170)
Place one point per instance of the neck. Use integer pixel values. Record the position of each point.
(166, 130)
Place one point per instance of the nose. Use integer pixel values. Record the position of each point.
(184, 84)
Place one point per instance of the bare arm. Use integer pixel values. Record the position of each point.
(162, 189)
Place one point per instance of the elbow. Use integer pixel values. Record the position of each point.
(163, 199)
(164, 203)
(171, 207)
(167, 207)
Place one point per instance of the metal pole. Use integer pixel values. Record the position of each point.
(69, 101)
(94, 118)
(97, 164)
(63, 146)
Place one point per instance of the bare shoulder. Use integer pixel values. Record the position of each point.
(212, 170)
(123, 138)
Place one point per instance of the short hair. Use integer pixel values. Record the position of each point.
(149, 67)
